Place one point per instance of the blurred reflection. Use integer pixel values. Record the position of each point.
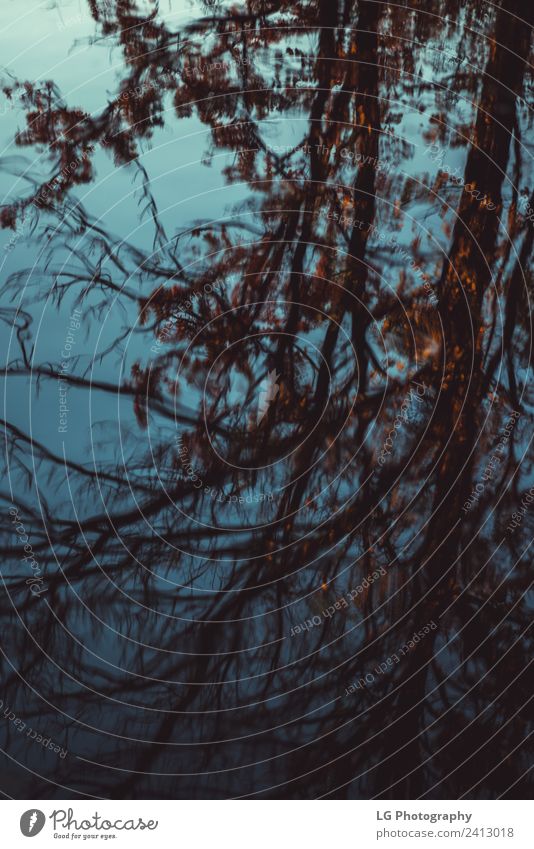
(312, 396)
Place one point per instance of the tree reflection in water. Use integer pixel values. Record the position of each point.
(324, 338)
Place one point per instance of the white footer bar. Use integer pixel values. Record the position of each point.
(269, 824)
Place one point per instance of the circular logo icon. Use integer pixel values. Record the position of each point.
(32, 822)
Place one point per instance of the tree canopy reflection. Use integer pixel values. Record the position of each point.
(178, 565)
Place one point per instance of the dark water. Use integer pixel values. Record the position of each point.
(266, 281)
